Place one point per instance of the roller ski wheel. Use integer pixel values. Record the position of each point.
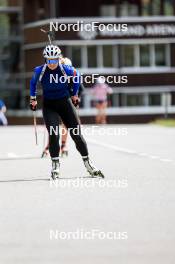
(55, 172)
(97, 174)
(92, 170)
(54, 176)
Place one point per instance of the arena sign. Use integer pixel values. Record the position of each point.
(148, 30)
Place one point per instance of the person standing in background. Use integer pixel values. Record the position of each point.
(3, 109)
(100, 91)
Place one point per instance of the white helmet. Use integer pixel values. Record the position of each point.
(51, 52)
(101, 80)
(66, 61)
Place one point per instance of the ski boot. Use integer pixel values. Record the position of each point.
(45, 153)
(92, 170)
(55, 172)
(64, 151)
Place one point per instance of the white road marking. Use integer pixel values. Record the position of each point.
(129, 151)
(142, 154)
(166, 160)
(12, 155)
(154, 157)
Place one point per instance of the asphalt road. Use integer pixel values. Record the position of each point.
(128, 218)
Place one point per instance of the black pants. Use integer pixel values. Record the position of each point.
(52, 110)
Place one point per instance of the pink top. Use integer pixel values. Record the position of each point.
(100, 91)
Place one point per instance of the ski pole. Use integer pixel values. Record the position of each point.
(35, 127)
(44, 137)
(49, 34)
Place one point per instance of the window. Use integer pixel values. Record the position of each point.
(146, 7)
(173, 98)
(128, 8)
(154, 99)
(144, 55)
(107, 56)
(114, 100)
(168, 8)
(134, 100)
(9, 25)
(160, 55)
(108, 10)
(127, 56)
(122, 56)
(92, 56)
(76, 56)
(3, 3)
(10, 61)
(156, 7)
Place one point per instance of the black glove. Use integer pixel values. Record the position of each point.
(33, 104)
(76, 102)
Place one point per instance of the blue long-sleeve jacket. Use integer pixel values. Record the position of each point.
(52, 87)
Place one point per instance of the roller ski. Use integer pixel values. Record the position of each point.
(64, 151)
(55, 172)
(92, 170)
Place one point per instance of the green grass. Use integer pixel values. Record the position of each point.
(165, 122)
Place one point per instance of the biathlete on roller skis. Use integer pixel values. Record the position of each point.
(63, 149)
(57, 103)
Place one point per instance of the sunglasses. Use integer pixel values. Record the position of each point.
(52, 61)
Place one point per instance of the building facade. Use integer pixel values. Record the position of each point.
(11, 22)
(144, 53)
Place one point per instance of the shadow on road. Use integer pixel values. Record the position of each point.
(19, 158)
(24, 180)
(47, 179)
